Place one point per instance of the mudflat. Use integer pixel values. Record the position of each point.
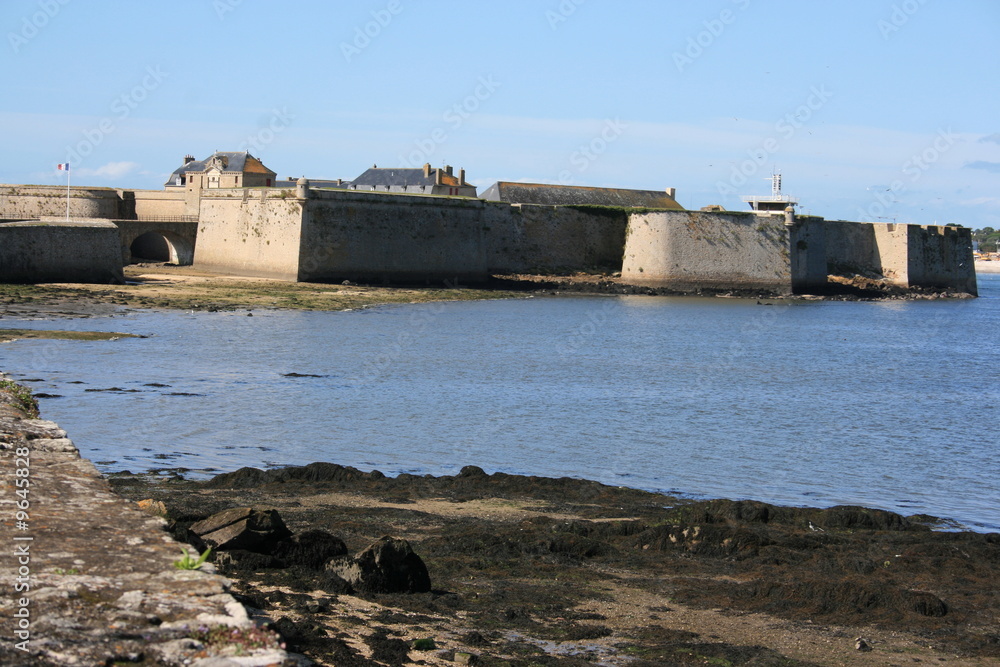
(161, 286)
(540, 571)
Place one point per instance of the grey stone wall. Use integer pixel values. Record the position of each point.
(693, 250)
(527, 238)
(31, 202)
(60, 252)
(251, 232)
(391, 238)
(941, 257)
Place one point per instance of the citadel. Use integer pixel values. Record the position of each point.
(231, 214)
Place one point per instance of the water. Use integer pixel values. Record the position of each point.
(890, 405)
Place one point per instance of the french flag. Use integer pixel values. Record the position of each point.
(63, 166)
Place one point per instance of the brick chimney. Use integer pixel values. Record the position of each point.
(188, 158)
(461, 177)
(427, 170)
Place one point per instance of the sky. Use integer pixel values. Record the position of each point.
(869, 109)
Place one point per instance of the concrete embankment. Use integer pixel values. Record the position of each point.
(89, 578)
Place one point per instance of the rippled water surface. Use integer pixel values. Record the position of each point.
(889, 405)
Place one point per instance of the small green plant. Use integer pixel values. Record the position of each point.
(188, 562)
(72, 570)
(426, 644)
(22, 394)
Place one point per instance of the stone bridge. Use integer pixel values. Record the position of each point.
(161, 239)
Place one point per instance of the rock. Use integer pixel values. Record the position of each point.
(463, 658)
(389, 565)
(928, 604)
(153, 507)
(330, 582)
(861, 645)
(242, 528)
(472, 471)
(315, 606)
(242, 560)
(311, 549)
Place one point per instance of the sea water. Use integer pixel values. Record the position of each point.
(884, 404)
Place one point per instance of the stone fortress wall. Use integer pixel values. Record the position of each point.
(320, 235)
(31, 202)
(54, 250)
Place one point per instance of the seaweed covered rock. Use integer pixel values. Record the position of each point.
(389, 565)
(311, 549)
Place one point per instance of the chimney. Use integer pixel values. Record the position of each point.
(188, 158)
(340, 181)
(447, 169)
(437, 177)
(427, 170)
(672, 193)
(461, 177)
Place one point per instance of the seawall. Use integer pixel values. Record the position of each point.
(693, 250)
(91, 576)
(333, 235)
(60, 251)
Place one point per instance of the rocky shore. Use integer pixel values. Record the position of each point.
(331, 565)
(152, 286)
(90, 579)
(539, 571)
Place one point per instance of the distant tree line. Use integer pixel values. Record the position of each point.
(987, 238)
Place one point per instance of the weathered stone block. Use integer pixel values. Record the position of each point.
(242, 528)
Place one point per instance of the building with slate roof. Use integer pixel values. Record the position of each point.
(566, 195)
(223, 169)
(426, 180)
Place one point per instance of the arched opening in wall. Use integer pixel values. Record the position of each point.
(161, 247)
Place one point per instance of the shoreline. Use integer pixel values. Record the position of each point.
(529, 568)
(534, 570)
(161, 286)
(987, 267)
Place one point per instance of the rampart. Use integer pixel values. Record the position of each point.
(253, 232)
(694, 250)
(157, 204)
(371, 237)
(60, 251)
(333, 235)
(527, 238)
(31, 202)
(906, 255)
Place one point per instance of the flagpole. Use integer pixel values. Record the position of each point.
(67, 191)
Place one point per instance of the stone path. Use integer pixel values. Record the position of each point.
(88, 578)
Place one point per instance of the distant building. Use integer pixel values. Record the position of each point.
(426, 180)
(775, 203)
(223, 169)
(563, 195)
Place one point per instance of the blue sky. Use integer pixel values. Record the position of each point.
(870, 109)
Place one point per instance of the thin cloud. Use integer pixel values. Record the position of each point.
(993, 167)
(992, 202)
(110, 170)
(990, 138)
